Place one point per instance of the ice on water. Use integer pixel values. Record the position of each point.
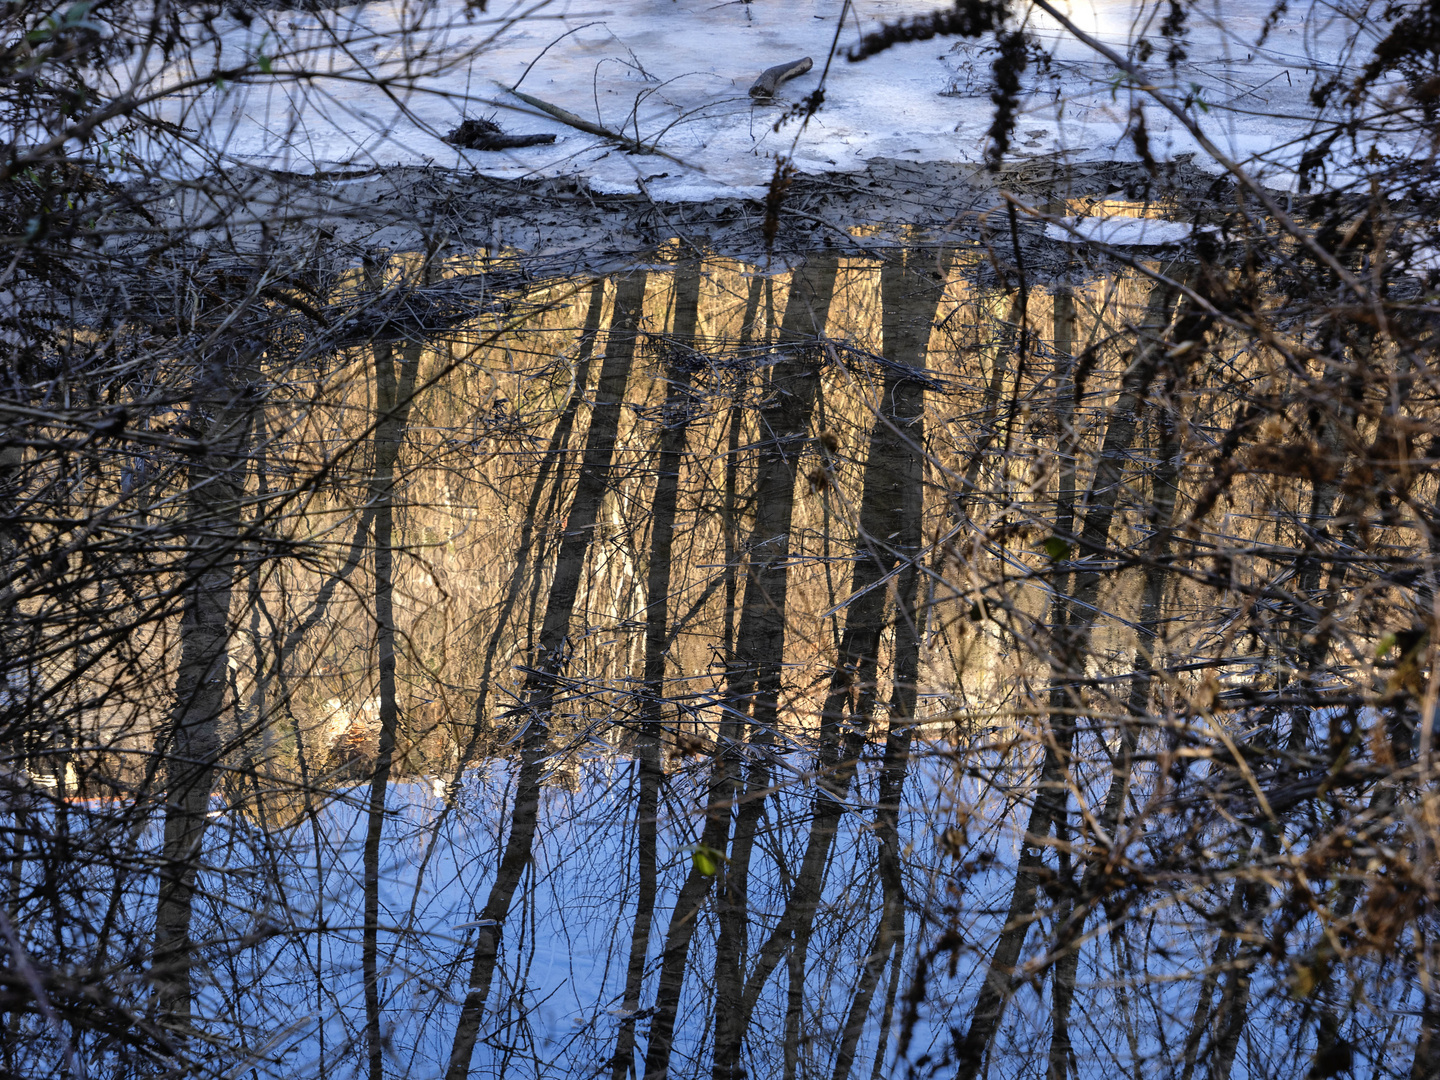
(673, 76)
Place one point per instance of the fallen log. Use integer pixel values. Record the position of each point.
(565, 116)
(579, 123)
(771, 78)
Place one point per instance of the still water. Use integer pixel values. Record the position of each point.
(772, 672)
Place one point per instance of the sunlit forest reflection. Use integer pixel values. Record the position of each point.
(780, 671)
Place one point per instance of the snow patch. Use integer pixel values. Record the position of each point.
(672, 77)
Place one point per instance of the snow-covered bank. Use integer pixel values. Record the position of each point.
(673, 75)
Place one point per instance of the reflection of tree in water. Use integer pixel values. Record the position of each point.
(1060, 584)
(974, 658)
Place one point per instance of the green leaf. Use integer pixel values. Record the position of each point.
(261, 57)
(706, 859)
(1386, 644)
(78, 16)
(1055, 547)
(43, 33)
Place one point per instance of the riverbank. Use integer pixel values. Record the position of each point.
(565, 226)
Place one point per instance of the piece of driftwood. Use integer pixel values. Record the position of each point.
(579, 123)
(476, 134)
(565, 116)
(771, 78)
